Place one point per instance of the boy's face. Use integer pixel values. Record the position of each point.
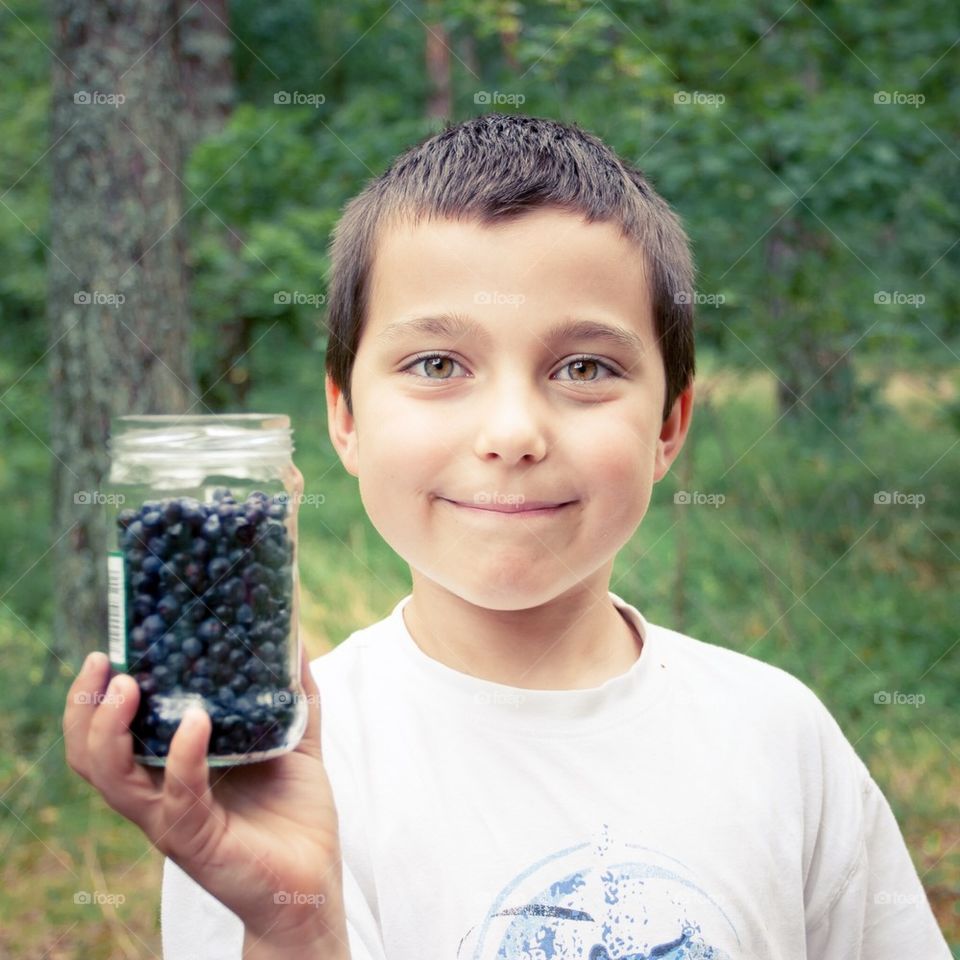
(509, 418)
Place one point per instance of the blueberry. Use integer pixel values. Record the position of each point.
(159, 546)
(175, 663)
(200, 549)
(211, 527)
(219, 651)
(163, 677)
(142, 605)
(153, 626)
(151, 565)
(125, 518)
(218, 568)
(201, 685)
(277, 509)
(244, 614)
(238, 657)
(239, 683)
(134, 534)
(234, 590)
(168, 607)
(210, 630)
(192, 648)
(223, 613)
(152, 521)
(193, 515)
(172, 511)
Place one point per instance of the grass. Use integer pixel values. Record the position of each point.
(797, 566)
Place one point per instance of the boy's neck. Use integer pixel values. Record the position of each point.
(577, 641)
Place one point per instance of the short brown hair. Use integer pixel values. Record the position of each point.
(494, 168)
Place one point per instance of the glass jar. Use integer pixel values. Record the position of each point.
(204, 591)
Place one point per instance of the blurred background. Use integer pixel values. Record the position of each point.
(169, 177)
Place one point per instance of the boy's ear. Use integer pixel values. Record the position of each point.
(341, 427)
(673, 433)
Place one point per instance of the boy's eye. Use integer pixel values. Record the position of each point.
(581, 367)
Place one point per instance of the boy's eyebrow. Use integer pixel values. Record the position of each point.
(457, 326)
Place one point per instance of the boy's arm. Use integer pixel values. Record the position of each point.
(194, 925)
(864, 898)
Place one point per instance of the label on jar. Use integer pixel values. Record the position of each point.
(117, 610)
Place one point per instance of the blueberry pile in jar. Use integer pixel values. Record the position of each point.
(209, 589)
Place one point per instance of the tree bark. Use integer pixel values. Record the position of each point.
(440, 96)
(117, 297)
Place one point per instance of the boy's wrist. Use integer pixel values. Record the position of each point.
(306, 943)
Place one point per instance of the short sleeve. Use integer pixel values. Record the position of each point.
(195, 925)
(870, 902)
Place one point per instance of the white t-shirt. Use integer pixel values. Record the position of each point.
(703, 804)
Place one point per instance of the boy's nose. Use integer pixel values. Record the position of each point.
(513, 423)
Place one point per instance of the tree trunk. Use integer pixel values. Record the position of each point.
(440, 96)
(117, 297)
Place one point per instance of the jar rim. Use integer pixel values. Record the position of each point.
(205, 437)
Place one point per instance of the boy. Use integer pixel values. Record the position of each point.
(515, 763)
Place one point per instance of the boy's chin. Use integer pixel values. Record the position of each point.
(514, 594)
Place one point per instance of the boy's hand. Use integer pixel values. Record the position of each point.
(262, 838)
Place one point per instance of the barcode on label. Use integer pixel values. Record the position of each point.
(117, 610)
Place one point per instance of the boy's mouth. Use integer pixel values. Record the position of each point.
(522, 508)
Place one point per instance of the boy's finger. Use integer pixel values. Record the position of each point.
(189, 822)
(311, 736)
(83, 697)
(125, 784)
